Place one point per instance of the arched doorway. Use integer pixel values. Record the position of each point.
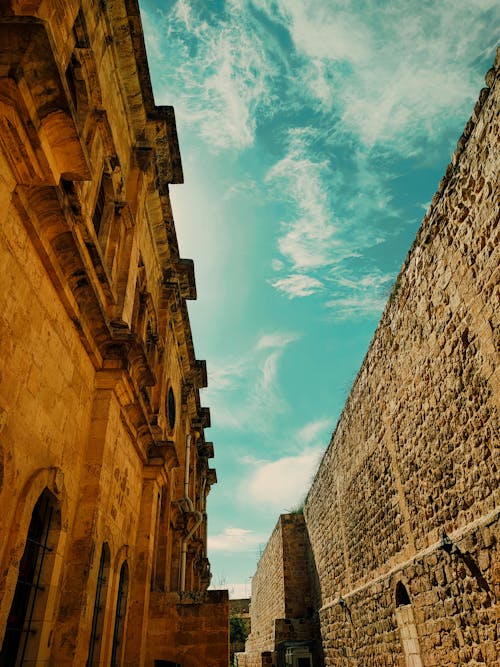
(407, 627)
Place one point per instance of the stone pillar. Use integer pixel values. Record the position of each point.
(73, 626)
(140, 584)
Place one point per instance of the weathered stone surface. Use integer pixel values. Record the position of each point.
(94, 339)
(284, 596)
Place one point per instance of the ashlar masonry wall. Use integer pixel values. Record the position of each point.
(415, 453)
(284, 596)
(268, 599)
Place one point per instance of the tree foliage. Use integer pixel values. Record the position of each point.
(237, 630)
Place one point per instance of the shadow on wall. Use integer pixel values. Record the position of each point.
(318, 656)
(466, 558)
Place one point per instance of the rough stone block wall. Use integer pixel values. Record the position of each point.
(299, 595)
(283, 591)
(416, 450)
(453, 600)
(268, 598)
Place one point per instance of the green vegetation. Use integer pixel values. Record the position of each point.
(237, 630)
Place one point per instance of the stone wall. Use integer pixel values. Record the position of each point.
(282, 608)
(268, 598)
(416, 450)
(191, 631)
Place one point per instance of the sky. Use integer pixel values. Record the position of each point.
(313, 135)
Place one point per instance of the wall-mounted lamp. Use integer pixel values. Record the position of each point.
(446, 543)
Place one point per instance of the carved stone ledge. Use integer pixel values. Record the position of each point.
(164, 449)
(200, 373)
(35, 95)
(187, 281)
(204, 417)
(143, 155)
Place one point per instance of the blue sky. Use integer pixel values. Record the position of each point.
(313, 136)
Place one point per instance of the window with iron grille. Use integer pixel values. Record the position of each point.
(100, 202)
(121, 610)
(99, 608)
(18, 645)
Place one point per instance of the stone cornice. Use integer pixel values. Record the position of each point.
(34, 94)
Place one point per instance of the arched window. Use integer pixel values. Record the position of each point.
(27, 619)
(159, 572)
(171, 408)
(407, 627)
(121, 610)
(99, 608)
(402, 597)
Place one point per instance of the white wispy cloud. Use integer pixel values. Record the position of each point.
(313, 429)
(246, 391)
(307, 239)
(227, 375)
(359, 296)
(276, 340)
(315, 239)
(281, 485)
(235, 539)
(242, 190)
(222, 80)
(297, 285)
(393, 71)
(382, 80)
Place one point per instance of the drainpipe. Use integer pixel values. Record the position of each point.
(204, 508)
(198, 515)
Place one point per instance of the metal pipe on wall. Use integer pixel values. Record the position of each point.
(198, 515)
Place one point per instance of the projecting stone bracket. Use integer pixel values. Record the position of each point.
(180, 276)
(143, 155)
(164, 450)
(206, 450)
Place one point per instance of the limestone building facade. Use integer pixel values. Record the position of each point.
(104, 465)
(403, 513)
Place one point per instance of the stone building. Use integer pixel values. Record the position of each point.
(403, 514)
(104, 466)
(284, 601)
